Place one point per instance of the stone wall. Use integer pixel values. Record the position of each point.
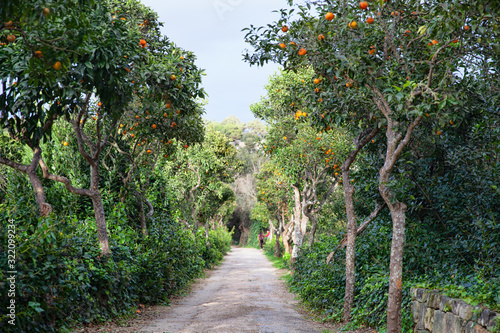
(436, 313)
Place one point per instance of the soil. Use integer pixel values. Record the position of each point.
(244, 294)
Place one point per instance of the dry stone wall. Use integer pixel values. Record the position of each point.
(433, 312)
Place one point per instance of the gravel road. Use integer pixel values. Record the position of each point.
(244, 294)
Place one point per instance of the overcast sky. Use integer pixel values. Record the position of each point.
(212, 30)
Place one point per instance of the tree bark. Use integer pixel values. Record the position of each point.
(142, 218)
(100, 219)
(396, 142)
(350, 268)
(314, 225)
(30, 170)
(350, 260)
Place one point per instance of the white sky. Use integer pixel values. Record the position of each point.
(212, 30)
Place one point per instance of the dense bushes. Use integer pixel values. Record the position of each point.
(431, 260)
(62, 279)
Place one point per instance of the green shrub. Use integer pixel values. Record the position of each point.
(62, 280)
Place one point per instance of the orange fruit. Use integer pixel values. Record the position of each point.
(302, 52)
(321, 37)
(186, 146)
(173, 124)
(99, 104)
(65, 143)
(363, 5)
(282, 45)
(38, 54)
(284, 28)
(178, 111)
(439, 132)
(173, 77)
(8, 24)
(46, 12)
(57, 65)
(316, 81)
(353, 25)
(154, 126)
(293, 43)
(466, 27)
(132, 135)
(169, 105)
(372, 51)
(137, 117)
(329, 16)
(434, 42)
(455, 41)
(11, 38)
(370, 20)
(148, 151)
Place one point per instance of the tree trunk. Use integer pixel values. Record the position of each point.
(142, 218)
(30, 170)
(313, 230)
(100, 219)
(350, 268)
(287, 239)
(297, 230)
(396, 268)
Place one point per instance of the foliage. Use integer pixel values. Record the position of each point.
(62, 280)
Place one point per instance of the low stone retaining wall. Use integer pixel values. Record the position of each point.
(436, 313)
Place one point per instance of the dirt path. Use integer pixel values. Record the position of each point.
(244, 294)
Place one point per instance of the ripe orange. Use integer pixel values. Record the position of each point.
(154, 126)
(99, 104)
(455, 41)
(353, 25)
(293, 43)
(8, 24)
(137, 117)
(434, 42)
(284, 28)
(57, 65)
(466, 27)
(169, 105)
(11, 38)
(165, 115)
(173, 77)
(372, 51)
(321, 37)
(370, 20)
(143, 43)
(38, 54)
(316, 81)
(178, 111)
(186, 146)
(439, 132)
(148, 151)
(173, 124)
(282, 45)
(46, 12)
(302, 52)
(132, 135)
(329, 16)
(363, 5)
(65, 143)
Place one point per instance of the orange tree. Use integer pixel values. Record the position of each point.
(310, 158)
(165, 109)
(50, 56)
(273, 193)
(402, 58)
(62, 56)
